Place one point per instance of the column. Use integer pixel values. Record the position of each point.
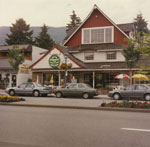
(93, 79)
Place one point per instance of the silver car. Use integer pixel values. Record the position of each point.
(132, 91)
(29, 88)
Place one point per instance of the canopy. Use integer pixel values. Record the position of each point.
(122, 76)
(140, 77)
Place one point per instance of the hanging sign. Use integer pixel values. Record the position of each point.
(54, 61)
(24, 68)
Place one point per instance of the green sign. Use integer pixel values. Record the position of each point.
(54, 61)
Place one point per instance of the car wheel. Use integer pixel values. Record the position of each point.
(12, 92)
(147, 97)
(36, 93)
(58, 94)
(116, 96)
(86, 95)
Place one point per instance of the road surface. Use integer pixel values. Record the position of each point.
(51, 127)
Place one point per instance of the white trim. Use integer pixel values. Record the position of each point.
(109, 50)
(95, 7)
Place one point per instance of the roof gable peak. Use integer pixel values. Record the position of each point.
(95, 7)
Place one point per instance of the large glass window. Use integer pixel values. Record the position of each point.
(97, 35)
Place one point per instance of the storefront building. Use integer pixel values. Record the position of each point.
(93, 51)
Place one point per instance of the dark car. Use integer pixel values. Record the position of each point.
(133, 91)
(29, 88)
(77, 90)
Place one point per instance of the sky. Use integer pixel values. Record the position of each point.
(56, 13)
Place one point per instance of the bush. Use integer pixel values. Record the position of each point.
(7, 98)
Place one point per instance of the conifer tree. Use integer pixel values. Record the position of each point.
(140, 24)
(20, 33)
(44, 40)
(74, 23)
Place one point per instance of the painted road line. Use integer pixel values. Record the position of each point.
(133, 129)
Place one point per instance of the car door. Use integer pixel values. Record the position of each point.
(20, 89)
(127, 92)
(29, 88)
(80, 89)
(139, 91)
(70, 90)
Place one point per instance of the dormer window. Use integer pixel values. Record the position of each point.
(98, 35)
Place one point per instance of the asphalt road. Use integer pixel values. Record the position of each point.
(51, 127)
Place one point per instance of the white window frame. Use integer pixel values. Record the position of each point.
(112, 27)
(110, 53)
(88, 59)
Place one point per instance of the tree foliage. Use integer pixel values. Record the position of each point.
(140, 24)
(44, 40)
(15, 57)
(74, 23)
(20, 33)
(131, 54)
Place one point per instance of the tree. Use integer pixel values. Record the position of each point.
(74, 23)
(15, 57)
(44, 40)
(131, 54)
(140, 24)
(20, 33)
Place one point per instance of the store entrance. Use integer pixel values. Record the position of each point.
(50, 79)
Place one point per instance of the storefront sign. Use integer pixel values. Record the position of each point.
(24, 68)
(54, 61)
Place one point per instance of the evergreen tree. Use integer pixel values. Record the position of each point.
(15, 57)
(74, 23)
(44, 40)
(20, 33)
(140, 24)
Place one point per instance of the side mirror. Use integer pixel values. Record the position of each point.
(18, 86)
(125, 89)
(67, 87)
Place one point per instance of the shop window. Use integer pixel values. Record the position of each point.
(111, 55)
(0, 77)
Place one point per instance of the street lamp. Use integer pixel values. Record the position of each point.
(65, 78)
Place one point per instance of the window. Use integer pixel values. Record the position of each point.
(97, 35)
(111, 55)
(81, 86)
(89, 56)
(72, 86)
(140, 87)
(22, 85)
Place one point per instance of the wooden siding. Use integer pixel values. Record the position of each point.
(96, 20)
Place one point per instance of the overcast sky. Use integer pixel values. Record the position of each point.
(56, 12)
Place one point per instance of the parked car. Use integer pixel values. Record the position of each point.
(29, 88)
(77, 90)
(132, 91)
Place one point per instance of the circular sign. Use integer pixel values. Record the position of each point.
(54, 61)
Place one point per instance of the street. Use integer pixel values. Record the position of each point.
(51, 127)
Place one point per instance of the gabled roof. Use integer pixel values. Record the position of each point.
(127, 27)
(62, 50)
(95, 7)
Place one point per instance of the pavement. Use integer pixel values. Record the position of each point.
(69, 103)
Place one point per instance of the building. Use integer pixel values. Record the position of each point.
(93, 49)
(8, 77)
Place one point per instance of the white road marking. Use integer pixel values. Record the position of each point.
(133, 129)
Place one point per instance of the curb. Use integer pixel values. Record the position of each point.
(80, 107)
